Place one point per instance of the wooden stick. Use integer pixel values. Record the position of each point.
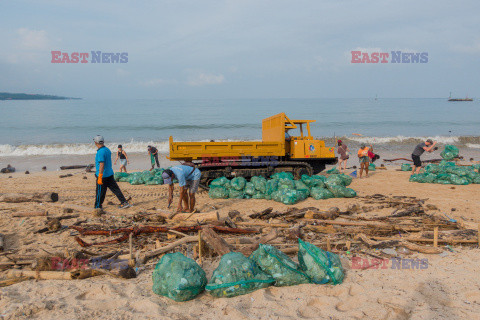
(9, 282)
(2, 242)
(435, 237)
(51, 275)
(264, 239)
(167, 248)
(31, 197)
(329, 247)
(30, 214)
(200, 247)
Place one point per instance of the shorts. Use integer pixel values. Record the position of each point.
(416, 161)
(192, 185)
(365, 159)
(123, 162)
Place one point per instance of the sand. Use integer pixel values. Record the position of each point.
(447, 289)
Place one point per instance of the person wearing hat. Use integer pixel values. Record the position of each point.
(153, 152)
(364, 159)
(104, 175)
(188, 180)
(428, 146)
(123, 159)
(343, 152)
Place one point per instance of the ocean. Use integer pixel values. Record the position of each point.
(66, 127)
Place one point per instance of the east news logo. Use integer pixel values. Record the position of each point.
(395, 57)
(95, 57)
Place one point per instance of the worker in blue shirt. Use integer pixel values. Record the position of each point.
(104, 174)
(188, 180)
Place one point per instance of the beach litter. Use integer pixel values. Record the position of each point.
(178, 277)
(447, 173)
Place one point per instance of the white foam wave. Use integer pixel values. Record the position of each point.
(402, 139)
(7, 150)
(473, 145)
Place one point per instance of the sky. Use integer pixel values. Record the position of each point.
(180, 49)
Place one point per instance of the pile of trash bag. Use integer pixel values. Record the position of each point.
(450, 152)
(146, 177)
(180, 278)
(447, 173)
(406, 167)
(283, 188)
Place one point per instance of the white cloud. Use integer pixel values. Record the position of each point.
(202, 79)
(157, 82)
(33, 39)
(473, 48)
(122, 72)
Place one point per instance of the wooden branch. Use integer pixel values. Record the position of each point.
(30, 214)
(265, 239)
(217, 243)
(52, 275)
(144, 258)
(31, 197)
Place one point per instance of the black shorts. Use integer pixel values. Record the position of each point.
(416, 161)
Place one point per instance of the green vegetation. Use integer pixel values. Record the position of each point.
(27, 96)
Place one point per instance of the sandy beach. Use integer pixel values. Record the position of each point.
(447, 289)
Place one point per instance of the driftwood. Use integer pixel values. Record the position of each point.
(218, 244)
(205, 217)
(76, 167)
(30, 214)
(53, 275)
(397, 242)
(32, 197)
(144, 258)
(148, 229)
(264, 239)
(9, 282)
(2, 242)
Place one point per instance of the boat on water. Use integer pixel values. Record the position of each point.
(458, 99)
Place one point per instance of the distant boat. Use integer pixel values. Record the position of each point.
(457, 99)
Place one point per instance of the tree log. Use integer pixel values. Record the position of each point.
(218, 244)
(32, 197)
(52, 275)
(30, 214)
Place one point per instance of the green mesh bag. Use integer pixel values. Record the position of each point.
(238, 183)
(154, 181)
(258, 195)
(279, 266)
(450, 152)
(286, 184)
(335, 180)
(282, 175)
(236, 194)
(124, 179)
(237, 275)
(218, 192)
(272, 186)
(118, 175)
(250, 189)
(260, 183)
(476, 180)
(347, 180)
(432, 168)
(313, 181)
(321, 193)
(332, 171)
(457, 180)
(136, 180)
(222, 181)
(372, 167)
(288, 196)
(320, 266)
(407, 167)
(300, 186)
(476, 166)
(342, 192)
(178, 277)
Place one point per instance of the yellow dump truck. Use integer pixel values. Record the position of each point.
(278, 151)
